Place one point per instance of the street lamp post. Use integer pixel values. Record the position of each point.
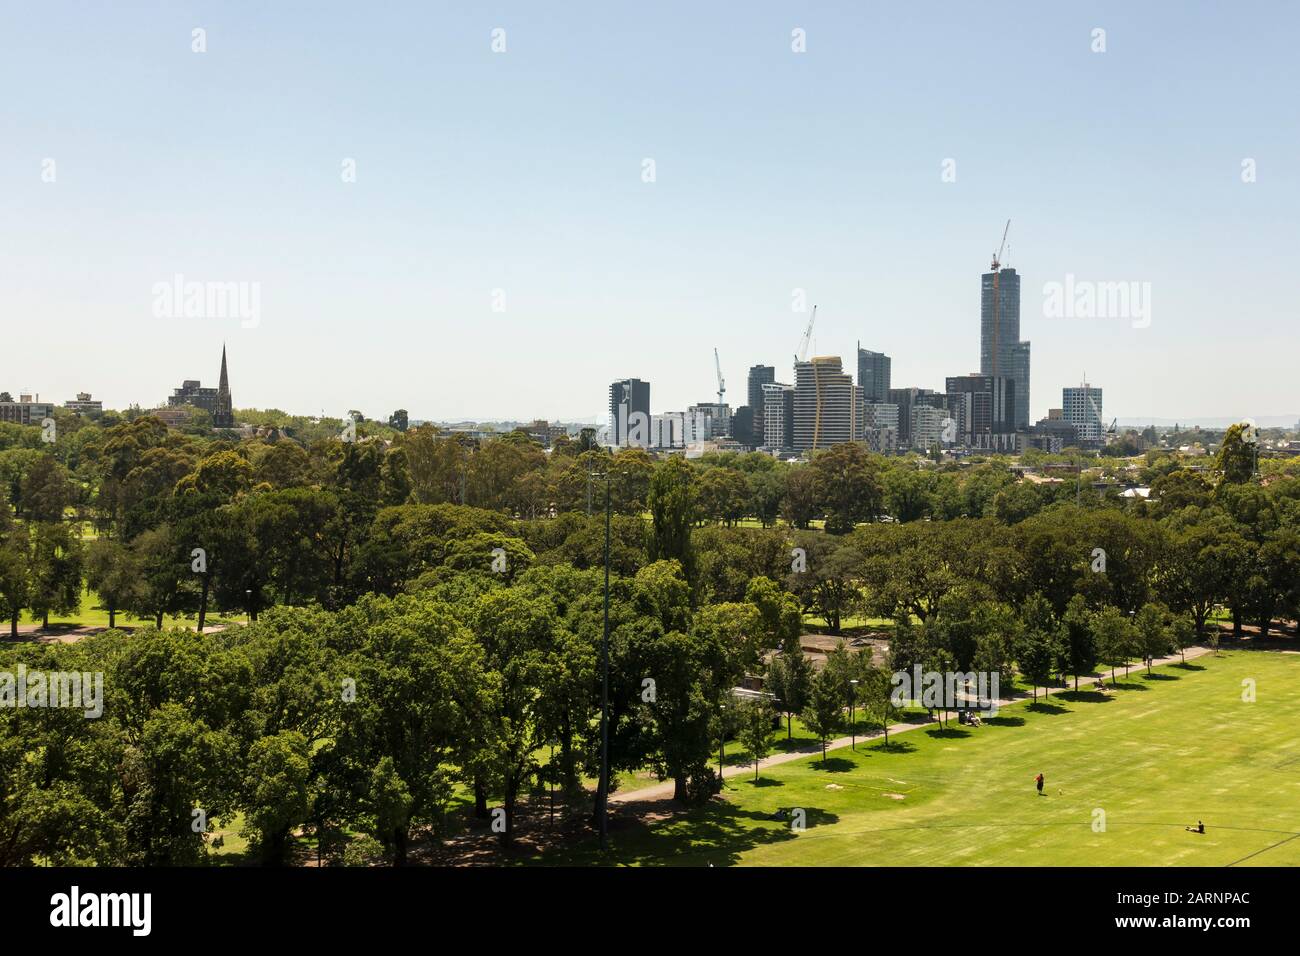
(1132, 622)
(853, 714)
(602, 796)
(722, 740)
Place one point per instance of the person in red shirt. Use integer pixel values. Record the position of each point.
(1038, 781)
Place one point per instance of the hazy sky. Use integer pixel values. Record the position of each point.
(522, 172)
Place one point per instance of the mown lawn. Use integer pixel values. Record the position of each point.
(92, 615)
(1158, 754)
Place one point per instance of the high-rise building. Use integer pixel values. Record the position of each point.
(873, 376)
(629, 412)
(668, 430)
(1001, 350)
(1081, 407)
(759, 375)
(707, 421)
(906, 399)
(828, 407)
(742, 427)
(982, 408)
(927, 426)
(778, 416)
(880, 427)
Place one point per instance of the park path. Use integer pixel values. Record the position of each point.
(71, 633)
(664, 791)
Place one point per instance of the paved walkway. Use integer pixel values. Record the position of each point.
(71, 633)
(664, 791)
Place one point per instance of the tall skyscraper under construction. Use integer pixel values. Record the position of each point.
(828, 407)
(1002, 353)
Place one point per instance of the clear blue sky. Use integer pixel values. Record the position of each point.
(522, 171)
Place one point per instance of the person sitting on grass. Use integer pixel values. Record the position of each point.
(1199, 828)
(975, 719)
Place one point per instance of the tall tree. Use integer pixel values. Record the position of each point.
(111, 573)
(756, 730)
(1236, 458)
(1077, 639)
(1153, 636)
(56, 571)
(876, 693)
(824, 714)
(671, 501)
(848, 486)
(1113, 637)
(789, 678)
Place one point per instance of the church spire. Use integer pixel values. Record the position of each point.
(223, 414)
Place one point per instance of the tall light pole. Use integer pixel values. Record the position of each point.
(853, 714)
(602, 795)
(722, 740)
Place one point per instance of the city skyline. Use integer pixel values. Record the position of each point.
(484, 180)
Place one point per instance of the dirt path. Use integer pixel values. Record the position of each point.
(664, 791)
(71, 633)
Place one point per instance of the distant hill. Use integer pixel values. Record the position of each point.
(1213, 421)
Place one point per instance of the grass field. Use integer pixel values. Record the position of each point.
(1160, 753)
(92, 615)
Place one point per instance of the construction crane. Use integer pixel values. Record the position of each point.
(997, 256)
(802, 354)
(997, 296)
(722, 385)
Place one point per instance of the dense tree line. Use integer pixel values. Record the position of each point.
(426, 613)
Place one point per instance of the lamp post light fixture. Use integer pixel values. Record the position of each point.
(853, 714)
(722, 740)
(602, 788)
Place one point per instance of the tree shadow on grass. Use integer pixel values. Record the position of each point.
(1154, 676)
(1086, 696)
(717, 833)
(1044, 707)
(765, 782)
(1004, 721)
(1128, 684)
(834, 765)
(895, 747)
(1188, 666)
(948, 732)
